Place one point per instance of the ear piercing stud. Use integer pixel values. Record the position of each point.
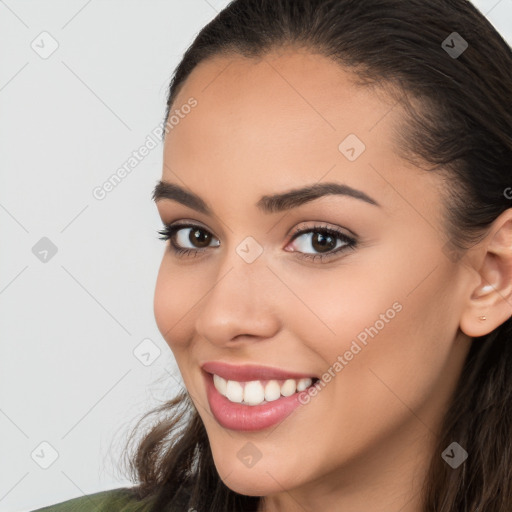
(482, 318)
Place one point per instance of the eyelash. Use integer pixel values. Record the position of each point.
(170, 231)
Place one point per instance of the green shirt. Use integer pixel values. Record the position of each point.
(115, 500)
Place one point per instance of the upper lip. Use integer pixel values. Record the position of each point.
(248, 372)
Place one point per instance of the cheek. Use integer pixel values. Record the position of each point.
(174, 300)
(385, 340)
(375, 300)
(338, 306)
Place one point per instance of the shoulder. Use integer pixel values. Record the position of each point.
(115, 500)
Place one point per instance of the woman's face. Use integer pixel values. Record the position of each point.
(375, 321)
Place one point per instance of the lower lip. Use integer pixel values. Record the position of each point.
(248, 417)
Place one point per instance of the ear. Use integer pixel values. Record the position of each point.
(492, 297)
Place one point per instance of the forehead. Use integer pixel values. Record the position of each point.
(288, 96)
(280, 121)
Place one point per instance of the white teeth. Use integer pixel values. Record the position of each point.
(272, 390)
(220, 384)
(255, 393)
(303, 384)
(234, 391)
(289, 387)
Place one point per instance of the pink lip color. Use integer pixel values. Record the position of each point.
(246, 373)
(248, 417)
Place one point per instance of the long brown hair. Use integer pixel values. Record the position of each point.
(458, 121)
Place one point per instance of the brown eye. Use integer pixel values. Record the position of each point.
(320, 243)
(187, 239)
(200, 237)
(190, 237)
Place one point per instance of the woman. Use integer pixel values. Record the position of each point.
(337, 286)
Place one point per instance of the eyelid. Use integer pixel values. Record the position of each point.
(350, 242)
(294, 233)
(320, 225)
(188, 223)
(337, 232)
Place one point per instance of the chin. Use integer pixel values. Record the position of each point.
(250, 483)
(265, 477)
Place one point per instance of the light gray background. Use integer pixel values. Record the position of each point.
(69, 326)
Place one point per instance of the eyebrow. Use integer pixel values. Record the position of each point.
(268, 203)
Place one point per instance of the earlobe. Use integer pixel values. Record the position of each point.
(490, 303)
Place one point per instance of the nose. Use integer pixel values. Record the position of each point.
(241, 305)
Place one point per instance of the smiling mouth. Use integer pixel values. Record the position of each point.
(258, 392)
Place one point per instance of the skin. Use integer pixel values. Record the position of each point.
(268, 126)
